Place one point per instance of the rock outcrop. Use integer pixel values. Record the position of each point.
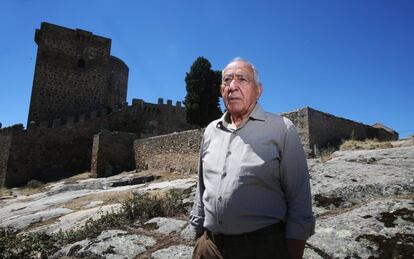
(363, 202)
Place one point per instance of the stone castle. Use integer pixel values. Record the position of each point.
(79, 89)
(74, 74)
(79, 119)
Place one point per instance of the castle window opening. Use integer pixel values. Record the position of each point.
(81, 63)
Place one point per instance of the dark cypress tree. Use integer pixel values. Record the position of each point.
(203, 91)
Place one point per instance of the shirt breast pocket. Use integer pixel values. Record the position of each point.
(259, 164)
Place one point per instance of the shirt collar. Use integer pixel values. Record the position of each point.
(257, 114)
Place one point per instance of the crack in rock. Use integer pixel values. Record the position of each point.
(320, 252)
(398, 246)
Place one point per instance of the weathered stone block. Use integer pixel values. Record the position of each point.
(112, 153)
(176, 151)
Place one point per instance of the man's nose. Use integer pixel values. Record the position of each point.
(234, 85)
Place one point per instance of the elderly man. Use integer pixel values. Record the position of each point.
(253, 196)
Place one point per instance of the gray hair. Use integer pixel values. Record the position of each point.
(255, 72)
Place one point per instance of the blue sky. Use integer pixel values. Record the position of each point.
(353, 59)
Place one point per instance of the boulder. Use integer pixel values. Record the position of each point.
(109, 244)
(176, 252)
(166, 226)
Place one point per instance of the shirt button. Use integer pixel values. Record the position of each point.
(228, 153)
(224, 175)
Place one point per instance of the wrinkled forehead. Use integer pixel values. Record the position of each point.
(238, 67)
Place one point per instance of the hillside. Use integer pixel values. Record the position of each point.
(363, 201)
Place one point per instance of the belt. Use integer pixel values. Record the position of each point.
(220, 239)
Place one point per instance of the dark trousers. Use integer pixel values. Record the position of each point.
(265, 243)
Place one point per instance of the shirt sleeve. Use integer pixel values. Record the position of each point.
(300, 222)
(197, 213)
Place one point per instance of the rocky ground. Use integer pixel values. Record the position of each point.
(363, 202)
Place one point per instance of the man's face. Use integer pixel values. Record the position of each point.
(239, 90)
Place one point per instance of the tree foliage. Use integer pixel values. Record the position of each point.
(203, 91)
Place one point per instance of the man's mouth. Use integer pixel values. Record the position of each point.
(234, 99)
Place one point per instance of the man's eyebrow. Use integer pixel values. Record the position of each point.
(235, 74)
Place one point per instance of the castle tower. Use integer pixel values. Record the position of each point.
(74, 74)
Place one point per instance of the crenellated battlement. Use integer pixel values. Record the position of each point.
(138, 107)
(16, 128)
(160, 106)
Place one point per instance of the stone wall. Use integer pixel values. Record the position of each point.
(112, 153)
(318, 130)
(59, 148)
(328, 130)
(161, 118)
(117, 89)
(301, 121)
(74, 74)
(5, 141)
(47, 155)
(144, 119)
(382, 134)
(172, 152)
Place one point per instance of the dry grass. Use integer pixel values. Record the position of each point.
(326, 153)
(5, 193)
(107, 198)
(26, 191)
(364, 145)
(162, 242)
(367, 144)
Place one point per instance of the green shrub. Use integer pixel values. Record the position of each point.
(26, 245)
(144, 206)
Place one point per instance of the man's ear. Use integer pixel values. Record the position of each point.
(259, 90)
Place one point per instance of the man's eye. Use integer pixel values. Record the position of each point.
(241, 79)
(227, 79)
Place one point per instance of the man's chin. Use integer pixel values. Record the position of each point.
(235, 110)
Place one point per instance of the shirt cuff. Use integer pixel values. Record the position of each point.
(196, 223)
(299, 231)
